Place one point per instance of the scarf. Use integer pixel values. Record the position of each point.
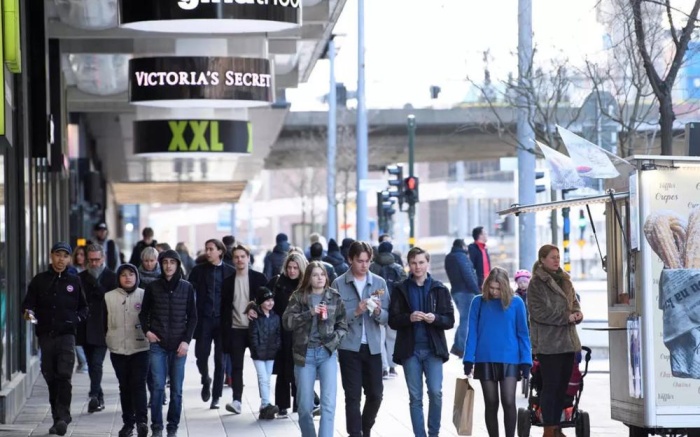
(558, 276)
(149, 276)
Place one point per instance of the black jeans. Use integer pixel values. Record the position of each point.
(283, 384)
(361, 370)
(131, 371)
(57, 360)
(239, 342)
(210, 331)
(95, 357)
(556, 373)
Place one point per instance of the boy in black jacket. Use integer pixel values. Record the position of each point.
(55, 303)
(265, 341)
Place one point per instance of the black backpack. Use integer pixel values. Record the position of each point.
(391, 276)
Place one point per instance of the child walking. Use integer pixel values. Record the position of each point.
(265, 340)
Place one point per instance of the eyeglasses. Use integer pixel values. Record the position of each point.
(94, 260)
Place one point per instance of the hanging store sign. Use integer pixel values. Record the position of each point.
(192, 136)
(210, 16)
(212, 82)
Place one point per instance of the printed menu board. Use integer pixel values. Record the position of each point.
(671, 228)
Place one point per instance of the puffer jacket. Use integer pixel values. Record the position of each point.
(91, 332)
(58, 302)
(298, 318)
(549, 307)
(265, 336)
(335, 258)
(124, 333)
(172, 316)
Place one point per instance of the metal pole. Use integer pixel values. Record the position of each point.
(526, 136)
(461, 201)
(411, 206)
(362, 164)
(332, 211)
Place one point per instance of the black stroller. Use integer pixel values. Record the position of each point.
(572, 416)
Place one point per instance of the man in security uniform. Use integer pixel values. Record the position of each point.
(55, 302)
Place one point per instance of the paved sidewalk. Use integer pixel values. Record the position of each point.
(199, 421)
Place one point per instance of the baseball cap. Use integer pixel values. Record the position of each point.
(100, 226)
(62, 245)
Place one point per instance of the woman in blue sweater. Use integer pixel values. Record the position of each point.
(498, 348)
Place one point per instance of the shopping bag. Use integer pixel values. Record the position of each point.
(463, 412)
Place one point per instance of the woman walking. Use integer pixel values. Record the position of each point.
(554, 313)
(498, 348)
(316, 317)
(128, 349)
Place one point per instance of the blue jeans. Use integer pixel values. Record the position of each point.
(264, 371)
(166, 362)
(463, 301)
(319, 362)
(424, 362)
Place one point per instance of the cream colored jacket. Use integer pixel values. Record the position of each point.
(124, 334)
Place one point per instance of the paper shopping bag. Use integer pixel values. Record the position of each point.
(463, 412)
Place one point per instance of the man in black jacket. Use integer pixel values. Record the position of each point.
(207, 280)
(420, 311)
(168, 318)
(237, 291)
(274, 259)
(147, 241)
(97, 280)
(55, 302)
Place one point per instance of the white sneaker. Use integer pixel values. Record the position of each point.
(234, 407)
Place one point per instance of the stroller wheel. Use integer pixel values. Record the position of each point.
(524, 422)
(583, 425)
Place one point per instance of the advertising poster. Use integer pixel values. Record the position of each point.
(634, 357)
(671, 229)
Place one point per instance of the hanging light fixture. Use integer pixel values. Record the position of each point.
(210, 16)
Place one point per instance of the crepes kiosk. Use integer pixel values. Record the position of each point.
(652, 260)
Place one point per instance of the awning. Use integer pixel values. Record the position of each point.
(177, 192)
(559, 204)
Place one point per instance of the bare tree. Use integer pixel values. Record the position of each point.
(662, 82)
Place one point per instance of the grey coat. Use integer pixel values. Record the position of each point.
(351, 298)
(549, 307)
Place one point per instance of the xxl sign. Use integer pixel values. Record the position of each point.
(231, 81)
(236, 16)
(192, 136)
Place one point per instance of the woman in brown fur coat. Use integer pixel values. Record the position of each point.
(554, 313)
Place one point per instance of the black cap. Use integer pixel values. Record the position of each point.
(385, 247)
(62, 245)
(100, 226)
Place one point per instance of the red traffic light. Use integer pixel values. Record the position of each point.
(411, 183)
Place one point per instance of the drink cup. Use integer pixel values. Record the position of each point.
(324, 311)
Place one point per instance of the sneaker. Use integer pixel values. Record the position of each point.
(392, 372)
(81, 368)
(93, 405)
(101, 406)
(61, 427)
(206, 389)
(157, 433)
(268, 412)
(234, 407)
(52, 430)
(126, 431)
(316, 411)
(282, 413)
(385, 374)
(172, 433)
(214, 404)
(142, 430)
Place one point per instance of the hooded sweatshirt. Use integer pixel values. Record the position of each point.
(123, 306)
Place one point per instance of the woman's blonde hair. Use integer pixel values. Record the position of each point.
(149, 252)
(298, 258)
(499, 276)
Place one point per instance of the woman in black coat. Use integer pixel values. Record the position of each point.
(283, 285)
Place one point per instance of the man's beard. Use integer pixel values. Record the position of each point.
(97, 271)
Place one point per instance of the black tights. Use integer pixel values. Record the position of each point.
(490, 389)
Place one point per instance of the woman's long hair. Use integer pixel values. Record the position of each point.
(305, 284)
(499, 276)
(80, 249)
(543, 253)
(298, 258)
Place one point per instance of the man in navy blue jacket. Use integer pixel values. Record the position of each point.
(463, 282)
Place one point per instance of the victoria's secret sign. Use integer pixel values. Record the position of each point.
(247, 80)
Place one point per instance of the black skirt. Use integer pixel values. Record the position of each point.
(495, 371)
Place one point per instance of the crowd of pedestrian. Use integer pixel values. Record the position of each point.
(311, 314)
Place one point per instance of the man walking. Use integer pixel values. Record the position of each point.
(147, 241)
(460, 272)
(97, 280)
(236, 292)
(109, 247)
(55, 302)
(479, 255)
(207, 280)
(168, 318)
(421, 310)
(360, 352)
(274, 259)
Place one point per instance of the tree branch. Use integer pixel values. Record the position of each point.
(674, 34)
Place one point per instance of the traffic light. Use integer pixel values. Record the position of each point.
(410, 190)
(385, 210)
(539, 188)
(397, 172)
